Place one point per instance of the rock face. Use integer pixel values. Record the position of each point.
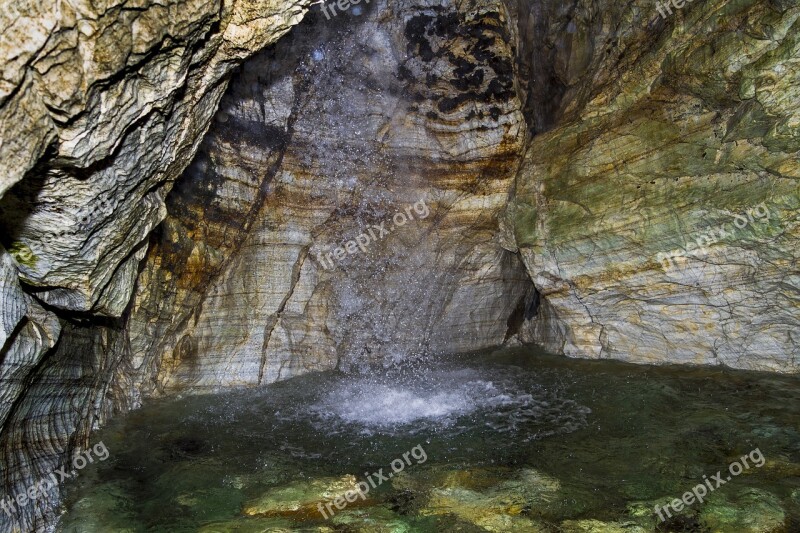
(642, 168)
(358, 130)
(416, 148)
(126, 95)
(101, 107)
(659, 217)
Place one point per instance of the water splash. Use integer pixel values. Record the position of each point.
(400, 401)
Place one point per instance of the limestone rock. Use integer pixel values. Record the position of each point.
(748, 510)
(371, 519)
(105, 507)
(128, 93)
(254, 525)
(27, 331)
(597, 526)
(496, 507)
(345, 127)
(651, 164)
(659, 219)
(101, 107)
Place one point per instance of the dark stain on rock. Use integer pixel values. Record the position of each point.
(404, 74)
(185, 352)
(480, 71)
(404, 502)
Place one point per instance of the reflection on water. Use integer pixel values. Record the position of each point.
(516, 441)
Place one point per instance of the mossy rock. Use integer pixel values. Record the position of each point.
(252, 525)
(485, 499)
(107, 507)
(212, 504)
(644, 514)
(502, 523)
(23, 254)
(748, 510)
(596, 526)
(301, 499)
(371, 520)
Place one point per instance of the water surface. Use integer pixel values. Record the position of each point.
(514, 440)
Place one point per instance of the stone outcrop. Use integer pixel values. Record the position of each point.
(659, 217)
(125, 94)
(236, 287)
(102, 105)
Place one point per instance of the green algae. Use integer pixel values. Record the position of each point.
(23, 254)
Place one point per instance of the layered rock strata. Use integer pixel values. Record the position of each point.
(650, 162)
(392, 133)
(659, 218)
(101, 107)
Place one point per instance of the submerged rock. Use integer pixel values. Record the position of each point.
(212, 504)
(107, 507)
(255, 525)
(302, 498)
(747, 510)
(500, 523)
(371, 520)
(744, 510)
(485, 499)
(596, 526)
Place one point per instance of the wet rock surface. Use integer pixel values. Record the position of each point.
(659, 217)
(101, 107)
(345, 136)
(640, 170)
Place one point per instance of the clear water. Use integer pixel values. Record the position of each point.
(515, 440)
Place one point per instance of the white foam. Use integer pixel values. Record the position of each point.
(375, 404)
(438, 399)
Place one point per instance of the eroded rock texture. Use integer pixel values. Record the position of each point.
(102, 105)
(659, 217)
(348, 127)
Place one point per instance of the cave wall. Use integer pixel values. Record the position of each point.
(659, 217)
(253, 213)
(102, 106)
(330, 133)
(620, 138)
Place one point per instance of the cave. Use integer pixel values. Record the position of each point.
(424, 265)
